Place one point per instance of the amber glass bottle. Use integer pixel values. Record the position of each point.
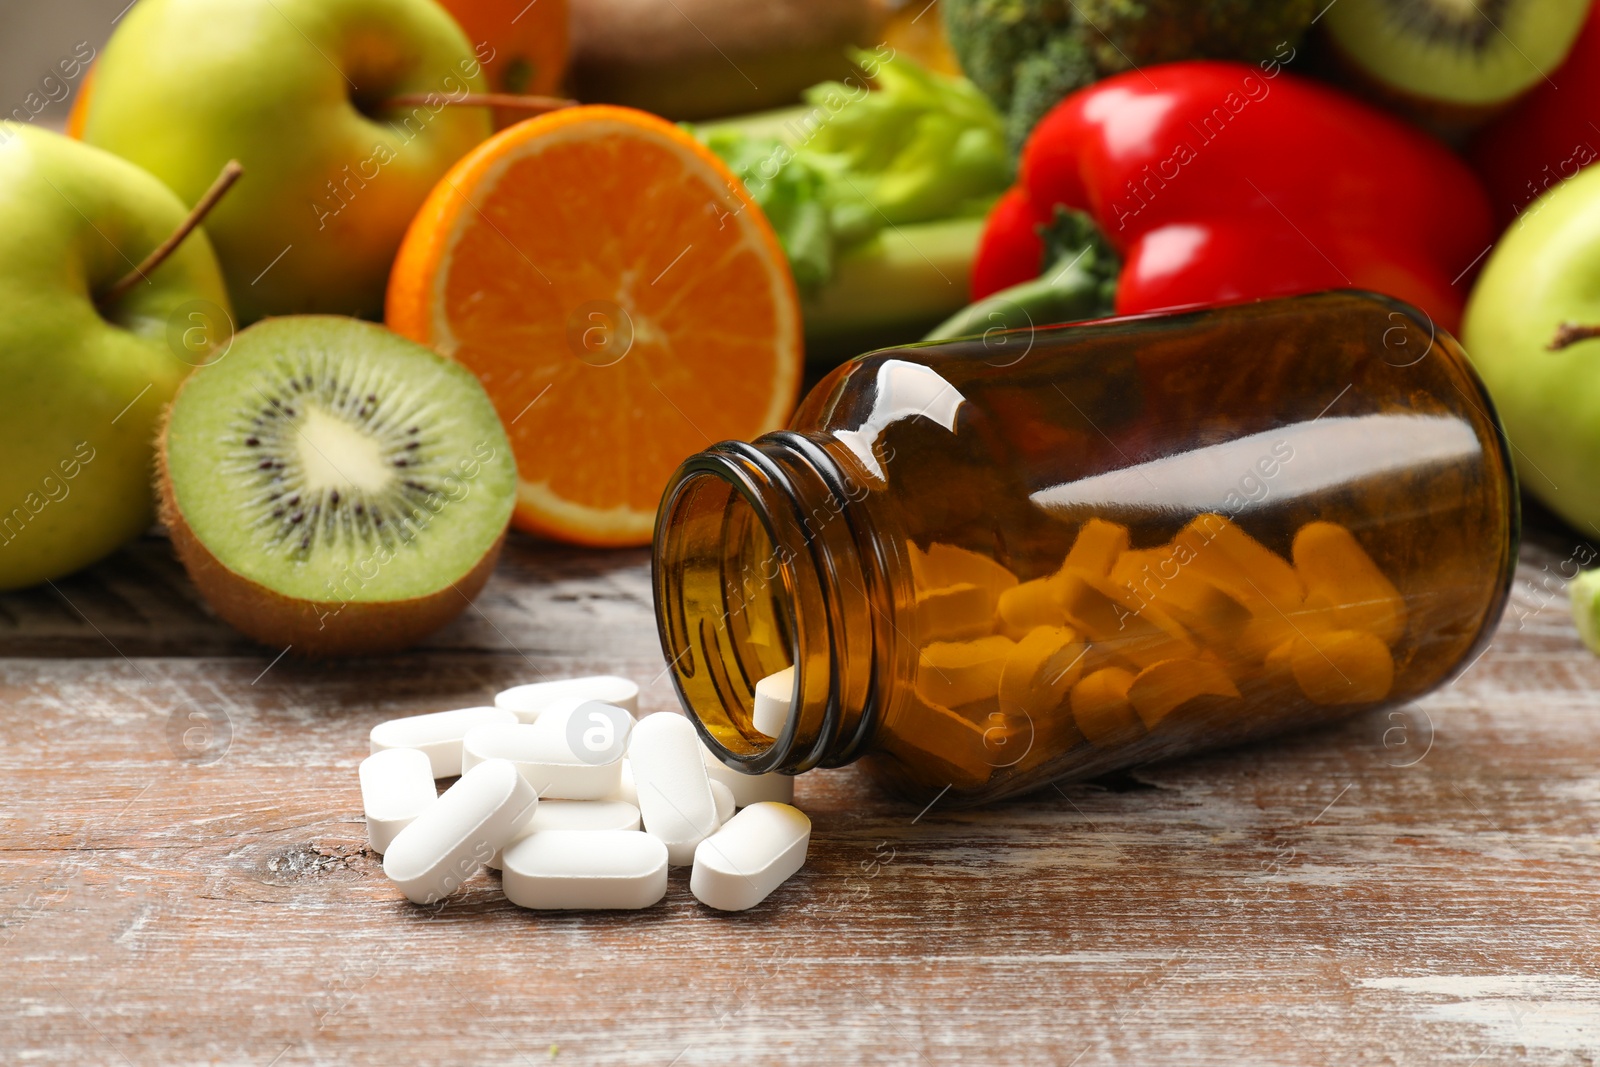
(1049, 554)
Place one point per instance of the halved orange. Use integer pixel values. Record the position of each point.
(621, 297)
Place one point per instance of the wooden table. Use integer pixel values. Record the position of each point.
(185, 881)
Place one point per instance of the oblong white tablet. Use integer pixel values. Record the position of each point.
(575, 815)
(774, 698)
(437, 733)
(583, 815)
(396, 787)
(513, 741)
(450, 840)
(675, 798)
(724, 798)
(569, 753)
(627, 791)
(529, 700)
(585, 869)
(750, 788)
(756, 852)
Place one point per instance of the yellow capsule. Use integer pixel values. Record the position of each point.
(1096, 548)
(1101, 709)
(1338, 571)
(1040, 670)
(951, 673)
(1342, 667)
(1163, 687)
(955, 742)
(1209, 614)
(955, 613)
(1031, 604)
(1239, 565)
(943, 565)
(1118, 623)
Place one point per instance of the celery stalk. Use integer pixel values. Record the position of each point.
(892, 289)
(786, 124)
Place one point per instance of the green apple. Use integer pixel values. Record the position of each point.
(299, 92)
(1544, 273)
(84, 384)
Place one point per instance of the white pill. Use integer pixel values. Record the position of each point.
(586, 869)
(570, 753)
(724, 798)
(774, 698)
(626, 790)
(584, 815)
(576, 815)
(675, 798)
(438, 734)
(513, 741)
(449, 841)
(750, 788)
(756, 852)
(576, 752)
(529, 700)
(396, 787)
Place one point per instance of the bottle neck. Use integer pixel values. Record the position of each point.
(759, 564)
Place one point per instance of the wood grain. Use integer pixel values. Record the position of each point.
(1411, 887)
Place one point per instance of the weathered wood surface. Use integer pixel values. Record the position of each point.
(1411, 888)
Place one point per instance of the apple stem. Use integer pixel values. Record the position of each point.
(536, 105)
(141, 273)
(1570, 333)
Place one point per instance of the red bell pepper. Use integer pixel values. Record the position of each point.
(1224, 182)
(1551, 134)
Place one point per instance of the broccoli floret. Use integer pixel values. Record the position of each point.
(1043, 79)
(1029, 54)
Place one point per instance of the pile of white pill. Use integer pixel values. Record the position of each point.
(577, 803)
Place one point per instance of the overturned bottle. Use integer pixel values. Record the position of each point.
(1050, 554)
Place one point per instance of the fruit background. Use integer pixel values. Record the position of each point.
(400, 392)
(650, 264)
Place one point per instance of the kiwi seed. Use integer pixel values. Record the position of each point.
(296, 509)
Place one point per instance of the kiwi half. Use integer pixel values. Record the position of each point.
(1463, 54)
(334, 487)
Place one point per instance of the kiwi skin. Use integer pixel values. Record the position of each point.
(312, 629)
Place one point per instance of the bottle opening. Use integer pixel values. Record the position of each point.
(726, 612)
(757, 570)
